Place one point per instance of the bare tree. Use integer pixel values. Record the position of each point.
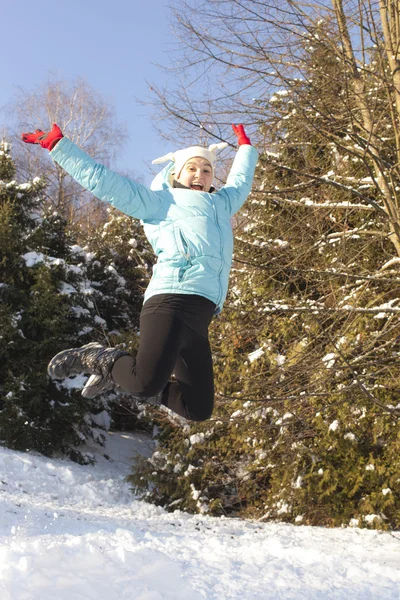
(309, 338)
(234, 55)
(86, 118)
(317, 84)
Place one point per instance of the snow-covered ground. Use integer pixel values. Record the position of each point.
(70, 532)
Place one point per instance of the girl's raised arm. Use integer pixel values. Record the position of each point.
(129, 197)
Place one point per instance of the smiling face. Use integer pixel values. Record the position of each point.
(196, 174)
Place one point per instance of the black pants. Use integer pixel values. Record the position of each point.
(173, 340)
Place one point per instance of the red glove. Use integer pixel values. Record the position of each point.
(241, 135)
(46, 140)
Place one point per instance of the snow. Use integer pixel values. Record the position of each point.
(197, 438)
(66, 289)
(33, 258)
(72, 532)
(334, 426)
(329, 360)
(255, 355)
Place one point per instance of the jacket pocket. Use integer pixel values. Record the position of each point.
(184, 250)
(182, 243)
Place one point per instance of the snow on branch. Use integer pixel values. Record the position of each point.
(380, 311)
(308, 203)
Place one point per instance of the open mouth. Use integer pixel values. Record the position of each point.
(196, 186)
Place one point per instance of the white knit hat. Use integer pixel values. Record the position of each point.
(180, 157)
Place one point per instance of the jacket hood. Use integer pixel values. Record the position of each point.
(163, 179)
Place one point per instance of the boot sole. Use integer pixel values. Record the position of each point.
(93, 387)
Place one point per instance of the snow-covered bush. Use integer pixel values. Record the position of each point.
(55, 294)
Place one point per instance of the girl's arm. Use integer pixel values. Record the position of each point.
(131, 198)
(240, 178)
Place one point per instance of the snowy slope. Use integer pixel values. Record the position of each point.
(70, 532)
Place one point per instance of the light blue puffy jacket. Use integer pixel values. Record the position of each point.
(189, 231)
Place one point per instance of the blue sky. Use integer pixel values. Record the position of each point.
(112, 44)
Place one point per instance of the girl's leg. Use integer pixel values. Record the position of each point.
(169, 346)
(148, 373)
(192, 395)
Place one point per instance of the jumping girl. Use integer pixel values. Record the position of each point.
(188, 224)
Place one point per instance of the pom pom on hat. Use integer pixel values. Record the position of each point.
(180, 157)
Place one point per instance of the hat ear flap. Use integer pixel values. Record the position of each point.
(215, 147)
(165, 158)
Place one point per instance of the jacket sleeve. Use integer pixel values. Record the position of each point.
(240, 178)
(129, 197)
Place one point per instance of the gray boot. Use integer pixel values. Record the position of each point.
(92, 358)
